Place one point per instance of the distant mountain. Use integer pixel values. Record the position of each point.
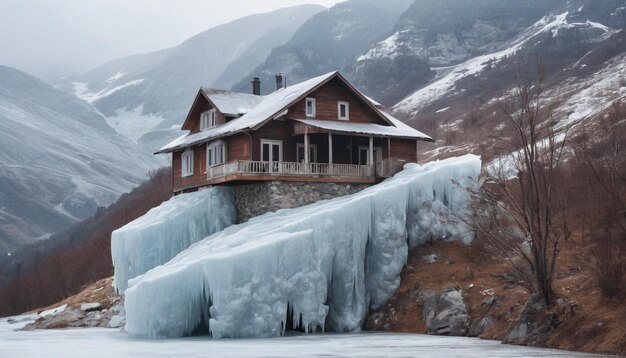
(331, 40)
(439, 33)
(59, 160)
(435, 62)
(146, 97)
(580, 47)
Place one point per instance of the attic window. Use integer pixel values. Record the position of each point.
(343, 111)
(310, 107)
(208, 119)
(187, 163)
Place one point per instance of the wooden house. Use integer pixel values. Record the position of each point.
(319, 130)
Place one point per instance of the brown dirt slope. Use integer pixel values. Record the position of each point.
(586, 321)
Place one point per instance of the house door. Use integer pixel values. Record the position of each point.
(364, 154)
(272, 152)
(312, 153)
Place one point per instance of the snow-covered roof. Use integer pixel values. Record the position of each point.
(365, 128)
(269, 107)
(232, 103)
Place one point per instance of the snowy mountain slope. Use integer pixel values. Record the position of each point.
(155, 90)
(59, 160)
(581, 52)
(439, 33)
(331, 40)
(319, 266)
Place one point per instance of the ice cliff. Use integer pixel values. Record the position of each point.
(168, 229)
(321, 266)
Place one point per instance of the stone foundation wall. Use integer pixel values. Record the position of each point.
(260, 198)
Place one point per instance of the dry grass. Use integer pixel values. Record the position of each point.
(595, 325)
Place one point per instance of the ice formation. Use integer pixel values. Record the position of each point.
(168, 229)
(321, 266)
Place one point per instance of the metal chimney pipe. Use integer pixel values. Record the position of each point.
(279, 81)
(256, 86)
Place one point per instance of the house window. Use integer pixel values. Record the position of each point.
(312, 152)
(187, 163)
(208, 119)
(215, 153)
(343, 110)
(310, 107)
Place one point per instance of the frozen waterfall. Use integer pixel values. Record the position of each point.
(322, 266)
(168, 229)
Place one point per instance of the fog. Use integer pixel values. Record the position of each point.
(52, 39)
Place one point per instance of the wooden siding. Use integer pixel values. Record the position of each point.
(404, 149)
(238, 147)
(275, 130)
(199, 169)
(326, 98)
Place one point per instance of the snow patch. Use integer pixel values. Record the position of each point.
(133, 124)
(116, 76)
(81, 90)
(385, 49)
(53, 311)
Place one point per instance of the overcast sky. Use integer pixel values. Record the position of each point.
(52, 38)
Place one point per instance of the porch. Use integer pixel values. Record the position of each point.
(301, 171)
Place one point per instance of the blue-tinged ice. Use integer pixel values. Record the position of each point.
(168, 229)
(322, 266)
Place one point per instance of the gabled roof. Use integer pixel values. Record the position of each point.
(274, 105)
(231, 103)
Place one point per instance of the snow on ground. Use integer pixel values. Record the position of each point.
(133, 124)
(105, 342)
(81, 90)
(593, 94)
(53, 311)
(168, 229)
(385, 49)
(327, 263)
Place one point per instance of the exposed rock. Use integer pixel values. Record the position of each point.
(429, 259)
(491, 301)
(531, 323)
(480, 326)
(445, 313)
(88, 307)
(83, 315)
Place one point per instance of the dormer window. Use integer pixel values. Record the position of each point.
(187, 163)
(310, 107)
(208, 119)
(343, 110)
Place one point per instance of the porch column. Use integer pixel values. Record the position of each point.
(330, 148)
(417, 149)
(370, 160)
(306, 145)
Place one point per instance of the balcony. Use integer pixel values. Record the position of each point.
(285, 169)
(293, 171)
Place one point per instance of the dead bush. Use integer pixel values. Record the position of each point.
(610, 267)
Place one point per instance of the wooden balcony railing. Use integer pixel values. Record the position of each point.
(290, 168)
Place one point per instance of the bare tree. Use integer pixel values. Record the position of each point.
(600, 161)
(603, 157)
(518, 211)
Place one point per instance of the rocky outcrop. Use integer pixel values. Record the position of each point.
(445, 313)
